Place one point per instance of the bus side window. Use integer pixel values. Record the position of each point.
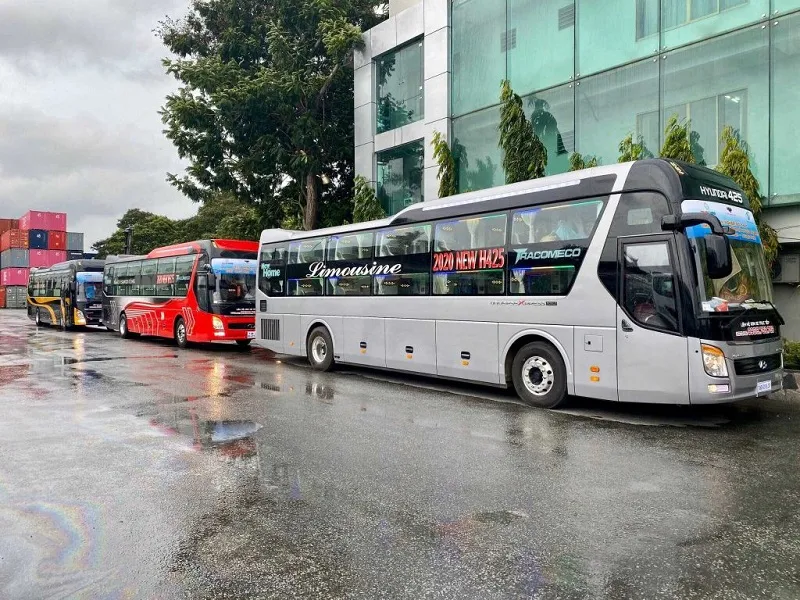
(183, 275)
(302, 255)
(272, 270)
(165, 277)
(409, 247)
(649, 289)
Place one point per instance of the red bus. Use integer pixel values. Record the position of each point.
(200, 291)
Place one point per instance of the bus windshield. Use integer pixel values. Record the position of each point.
(749, 282)
(89, 286)
(236, 281)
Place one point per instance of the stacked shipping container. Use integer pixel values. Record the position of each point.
(38, 239)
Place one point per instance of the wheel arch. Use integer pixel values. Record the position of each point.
(319, 322)
(535, 335)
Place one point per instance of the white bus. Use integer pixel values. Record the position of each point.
(637, 282)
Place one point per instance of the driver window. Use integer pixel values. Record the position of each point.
(650, 292)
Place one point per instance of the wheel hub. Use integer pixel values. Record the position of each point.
(319, 349)
(538, 376)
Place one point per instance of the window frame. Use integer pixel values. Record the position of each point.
(639, 240)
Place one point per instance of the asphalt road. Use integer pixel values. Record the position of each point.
(130, 469)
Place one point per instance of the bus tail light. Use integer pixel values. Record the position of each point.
(714, 361)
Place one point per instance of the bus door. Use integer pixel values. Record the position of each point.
(652, 355)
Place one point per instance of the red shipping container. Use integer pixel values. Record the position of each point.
(7, 225)
(14, 277)
(15, 238)
(57, 240)
(2, 297)
(56, 256)
(39, 259)
(56, 221)
(33, 219)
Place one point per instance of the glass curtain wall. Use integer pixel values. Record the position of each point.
(591, 73)
(400, 173)
(400, 87)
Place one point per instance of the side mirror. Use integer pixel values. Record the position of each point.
(202, 280)
(73, 286)
(718, 256)
(212, 280)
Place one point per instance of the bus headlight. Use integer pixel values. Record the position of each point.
(714, 361)
(217, 324)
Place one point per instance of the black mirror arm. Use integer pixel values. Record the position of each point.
(673, 222)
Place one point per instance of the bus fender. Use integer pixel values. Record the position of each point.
(548, 337)
(315, 323)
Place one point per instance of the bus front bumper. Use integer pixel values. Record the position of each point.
(739, 387)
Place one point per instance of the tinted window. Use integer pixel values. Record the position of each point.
(183, 274)
(350, 247)
(408, 247)
(548, 245)
(147, 279)
(637, 213)
(303, 257)
(165, 277)
(272, 270)
(649, 286)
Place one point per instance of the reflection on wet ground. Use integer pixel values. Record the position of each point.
(133, 470)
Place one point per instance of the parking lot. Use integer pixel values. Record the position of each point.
(132, 469)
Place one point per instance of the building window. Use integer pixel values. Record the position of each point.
(400, 173)
(707, 117)
(646, 18)
(680, 12)
(400, 87)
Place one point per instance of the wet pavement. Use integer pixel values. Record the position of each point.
(130, 469)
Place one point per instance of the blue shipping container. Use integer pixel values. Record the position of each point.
(37, 239)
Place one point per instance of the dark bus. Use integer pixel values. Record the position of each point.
(68, 294)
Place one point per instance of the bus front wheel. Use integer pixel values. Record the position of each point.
(539, 375)
(37, 318)
(320, 349)
(181, 337)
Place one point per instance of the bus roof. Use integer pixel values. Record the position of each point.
(208, 245)
(675, 179)
(79, 265)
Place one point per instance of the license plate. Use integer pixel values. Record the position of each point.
(251, 335)
(763, 387)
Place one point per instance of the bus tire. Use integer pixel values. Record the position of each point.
(124, 332)
(539, 375)
(181, 336)
(37, 318)
(319, 349)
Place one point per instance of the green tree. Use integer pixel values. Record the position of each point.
(630, 150)
(735, 163)
(366, 206)
(265, 107)
(677, 141)
(149, 231)
(448, 184)
(577, 161)
(524, 155)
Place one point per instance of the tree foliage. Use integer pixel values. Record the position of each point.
(630, 150)
(265, 107)
(448, 185)
(524, 154)
(366, 206)
(677, 141)
(735, 163)
(577, 161)
(221, 217)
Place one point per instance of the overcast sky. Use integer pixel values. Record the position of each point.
(81, 84)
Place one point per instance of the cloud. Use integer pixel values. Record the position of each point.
(82, 84)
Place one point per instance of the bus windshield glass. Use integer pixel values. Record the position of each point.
(749, 282)
(236, 281)
(90, 286)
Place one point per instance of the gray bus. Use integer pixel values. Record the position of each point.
(636, 282)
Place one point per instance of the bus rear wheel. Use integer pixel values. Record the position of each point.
(319, 349)
(124, 332)
(539, 375)
(181, 337)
